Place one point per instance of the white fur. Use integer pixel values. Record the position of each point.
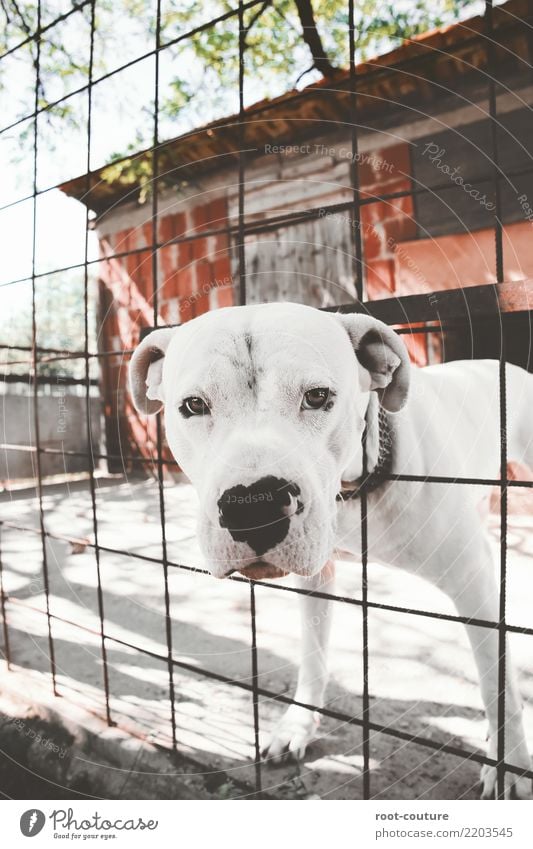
(252, 366)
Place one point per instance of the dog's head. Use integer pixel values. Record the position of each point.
(264, 412)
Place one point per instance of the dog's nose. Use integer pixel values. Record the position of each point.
(260, 514)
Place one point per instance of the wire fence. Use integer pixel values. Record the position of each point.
(440, 315)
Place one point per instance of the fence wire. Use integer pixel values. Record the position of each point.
(401, 311)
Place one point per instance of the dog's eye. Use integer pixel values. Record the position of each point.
(194, 406)
(314, 399)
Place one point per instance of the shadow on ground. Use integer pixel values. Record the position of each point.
(422, 677)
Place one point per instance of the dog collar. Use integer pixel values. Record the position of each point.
(378, 475)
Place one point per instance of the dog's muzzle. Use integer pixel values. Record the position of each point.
(260, 514)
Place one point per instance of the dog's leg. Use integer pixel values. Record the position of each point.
(298, 726)
(473, 588)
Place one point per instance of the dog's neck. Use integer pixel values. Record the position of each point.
(377, 440)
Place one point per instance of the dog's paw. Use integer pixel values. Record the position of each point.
(515, 786)
(292, 736)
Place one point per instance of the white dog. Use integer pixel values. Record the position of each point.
(265, 411)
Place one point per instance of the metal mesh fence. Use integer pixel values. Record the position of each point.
(478, 303)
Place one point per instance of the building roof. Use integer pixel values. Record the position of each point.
(419, 71)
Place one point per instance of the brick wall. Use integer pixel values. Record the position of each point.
(312, 263)
(385, 224)
(193, 277)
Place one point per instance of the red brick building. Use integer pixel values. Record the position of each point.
(424, 166)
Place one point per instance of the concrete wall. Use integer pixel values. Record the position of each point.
(62, 425)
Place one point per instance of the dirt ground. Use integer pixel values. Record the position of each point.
(422, 676)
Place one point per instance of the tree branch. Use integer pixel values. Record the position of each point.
(303, 74)
(255, 18)
(311, 36)
(27, 29)
(23, 22)
(5, 11)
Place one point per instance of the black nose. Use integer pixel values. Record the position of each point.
(260, 514)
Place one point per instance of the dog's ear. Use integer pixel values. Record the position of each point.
(146, 370)
(383, 354)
